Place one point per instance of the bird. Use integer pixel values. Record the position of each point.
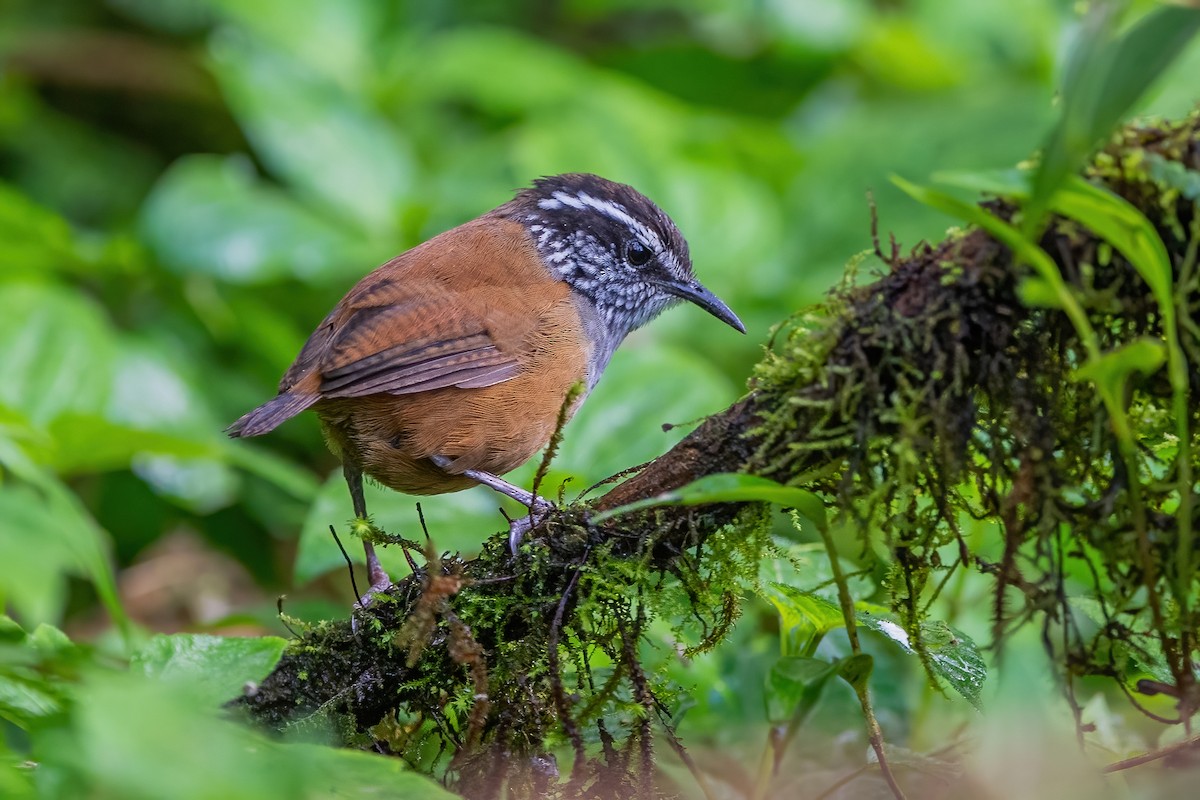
(452, 363)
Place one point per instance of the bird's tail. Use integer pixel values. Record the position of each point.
(269, 415)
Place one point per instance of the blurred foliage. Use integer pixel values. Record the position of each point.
(186, 187)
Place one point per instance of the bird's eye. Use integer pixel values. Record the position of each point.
(637, 253)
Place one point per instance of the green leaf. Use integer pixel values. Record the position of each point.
(45, 536)
(91, 443)
(134, 738)
(1104, 77)
(1141, 55)
(34, 241)
(345, 774)
(213, 216)
(621, 422)
(1024, 249)
(335, 38)
(794, 685)
(1112, 370)
(804, 618)
(730, 488)
(952, 655)
(1037, 293)
(215, 668)
(856, 670)
(297, 482)
(58, 350)
(1124, 227)
(322, 140)
(1012, 182)
(35, 673)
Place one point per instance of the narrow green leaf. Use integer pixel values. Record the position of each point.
(1124, 227)
(1104, 78)
(1112, 369)
(1024, 249)
(1088, 62)
(1037, 293)
(730, 487)
(1141, 55)
(1012, 182)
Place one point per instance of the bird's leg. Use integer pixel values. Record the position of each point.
(538, 507)
(375, 573)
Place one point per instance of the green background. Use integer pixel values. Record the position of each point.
(187, 187)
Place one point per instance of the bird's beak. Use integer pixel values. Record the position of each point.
(694, 292)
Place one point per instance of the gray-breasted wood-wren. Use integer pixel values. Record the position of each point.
(449, 365)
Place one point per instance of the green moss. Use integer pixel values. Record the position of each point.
(934, 396)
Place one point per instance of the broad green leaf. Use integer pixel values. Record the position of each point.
(58, 349)
(794, 685)
(45, 536)
(140, 739)
(335, 38)
(1112, 369)
(214, 668)
(730, 488)
(34, 241)
(35, 673)
(283, 473)
(214, 217)
(318, 138)
(346, 774)
(91, 443)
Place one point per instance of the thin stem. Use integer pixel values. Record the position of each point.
(1153, 755)
(874, 732)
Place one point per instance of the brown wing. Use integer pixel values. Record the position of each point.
(407, 347)
(426, 320)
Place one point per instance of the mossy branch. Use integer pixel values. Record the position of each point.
(926, 400)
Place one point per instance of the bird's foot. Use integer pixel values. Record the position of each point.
(538, 507)
(517, 528)
(377, 575)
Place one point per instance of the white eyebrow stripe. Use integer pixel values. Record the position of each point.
(567, 200)
(616, 211)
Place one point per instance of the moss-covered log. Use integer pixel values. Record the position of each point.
(926, 398)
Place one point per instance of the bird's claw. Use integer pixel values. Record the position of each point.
(517, 528)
